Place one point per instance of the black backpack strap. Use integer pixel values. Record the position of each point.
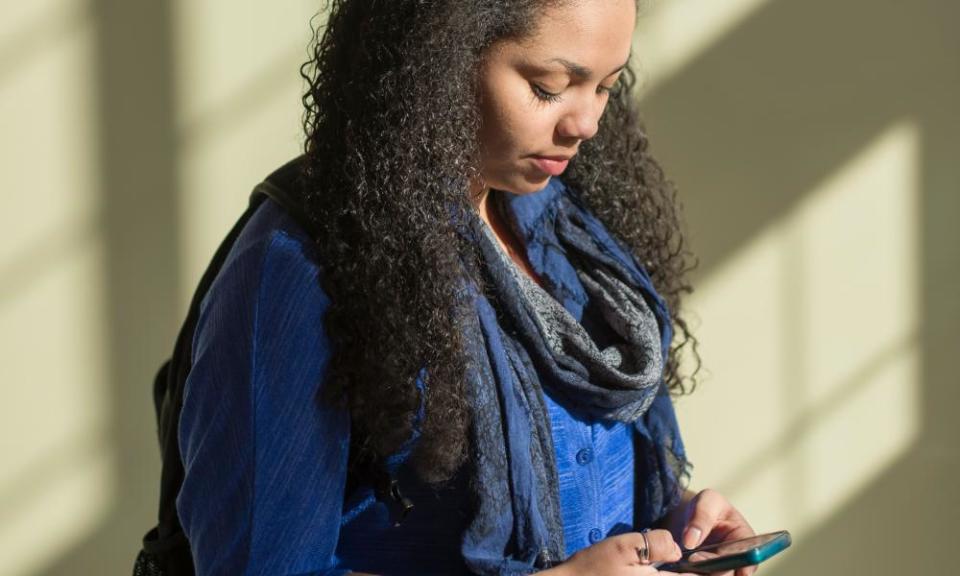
(285, 187)
(166, 551)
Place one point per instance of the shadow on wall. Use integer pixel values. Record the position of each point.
(753, 124)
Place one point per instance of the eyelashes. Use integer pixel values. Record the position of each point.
(543, 95)
(552, 97)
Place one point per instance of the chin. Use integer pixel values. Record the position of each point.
(526, 184)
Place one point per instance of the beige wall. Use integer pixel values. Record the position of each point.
(814, 146)
(811, 143)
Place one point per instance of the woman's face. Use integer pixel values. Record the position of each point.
(542, 95)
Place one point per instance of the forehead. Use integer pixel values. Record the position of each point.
(590, 32)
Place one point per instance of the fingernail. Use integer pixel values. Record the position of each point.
(691, 538)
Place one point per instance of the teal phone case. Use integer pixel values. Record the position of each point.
(754, 555)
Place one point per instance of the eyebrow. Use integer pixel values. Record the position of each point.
(579, 70)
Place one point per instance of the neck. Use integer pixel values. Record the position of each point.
(480, 200)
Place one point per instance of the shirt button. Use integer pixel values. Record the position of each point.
(595, 535)
(585, 456)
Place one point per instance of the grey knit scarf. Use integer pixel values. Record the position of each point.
(617, 376)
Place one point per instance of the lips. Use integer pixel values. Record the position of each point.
(552, 165)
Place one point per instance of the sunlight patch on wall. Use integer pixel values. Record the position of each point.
(810, 333)
(48, 170)
(859, 244)
(57, 480)
(222, 47)
(67, 501)
(740, 330)
(239, 109)
(672, 33)
(18, 18)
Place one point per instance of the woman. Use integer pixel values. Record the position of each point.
(466, 366)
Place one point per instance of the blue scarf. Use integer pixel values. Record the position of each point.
(537, 344)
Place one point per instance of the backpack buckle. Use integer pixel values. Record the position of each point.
(397, 504)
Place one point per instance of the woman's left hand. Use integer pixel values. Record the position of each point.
(711, 519)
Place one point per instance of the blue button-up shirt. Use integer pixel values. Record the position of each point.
(266, 463)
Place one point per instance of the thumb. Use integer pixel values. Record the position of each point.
(706, 508)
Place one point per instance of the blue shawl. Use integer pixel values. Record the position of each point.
(517, 527)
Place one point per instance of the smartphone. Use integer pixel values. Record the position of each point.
(730, 555)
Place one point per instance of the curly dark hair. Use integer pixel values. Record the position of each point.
(391, 123)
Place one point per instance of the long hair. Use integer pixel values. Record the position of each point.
(391, 121)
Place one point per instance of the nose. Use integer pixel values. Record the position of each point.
(581, 122)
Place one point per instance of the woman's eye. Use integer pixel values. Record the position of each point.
(543, 95)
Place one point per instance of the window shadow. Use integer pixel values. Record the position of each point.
(140, 231)
(753, 125)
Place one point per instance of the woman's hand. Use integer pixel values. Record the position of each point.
(620, 556)
(711, 519)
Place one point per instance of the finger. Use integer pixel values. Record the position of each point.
(746, 570)
(727, 530)
(659, 544)
(707, 507)
(741, 531)
(663, 548)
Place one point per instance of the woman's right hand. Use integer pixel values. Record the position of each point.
(619, 556)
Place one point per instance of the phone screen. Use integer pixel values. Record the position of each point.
(731, 548)
(731, 555)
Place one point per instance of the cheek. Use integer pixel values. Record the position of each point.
(514, 123)
(499, 124)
